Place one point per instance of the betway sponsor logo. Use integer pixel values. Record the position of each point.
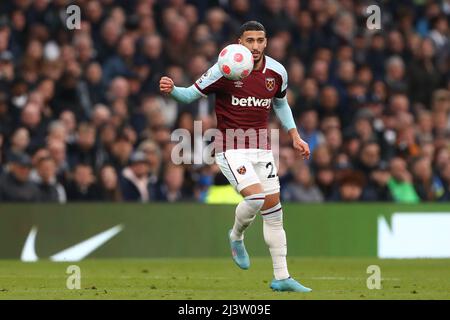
(250, 102)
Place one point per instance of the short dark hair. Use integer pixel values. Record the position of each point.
(251, 26)
(43, 159)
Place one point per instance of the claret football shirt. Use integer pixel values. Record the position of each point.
(245, 105)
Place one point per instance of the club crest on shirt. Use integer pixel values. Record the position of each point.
(238, 84)
(270, 83)
(241, 170)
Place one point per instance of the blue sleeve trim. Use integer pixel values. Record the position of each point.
(186, 95)
(284, 113)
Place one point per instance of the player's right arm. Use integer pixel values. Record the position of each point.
(183, 95)
(209, 82)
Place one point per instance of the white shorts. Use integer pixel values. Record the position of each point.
(244, 167)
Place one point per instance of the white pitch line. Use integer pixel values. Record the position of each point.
(347, 278)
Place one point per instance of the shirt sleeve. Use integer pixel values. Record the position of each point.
(186, 95)
(284, 113)
(281, 93)
(209, 82)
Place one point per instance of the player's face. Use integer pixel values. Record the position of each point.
(255, 41)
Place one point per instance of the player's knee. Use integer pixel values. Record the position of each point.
(271, 201)
(255, 201)
(273, 215)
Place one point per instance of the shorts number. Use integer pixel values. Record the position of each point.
(271, 175)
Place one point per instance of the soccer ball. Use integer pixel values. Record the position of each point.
(235, 62)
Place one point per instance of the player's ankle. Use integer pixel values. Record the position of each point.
(236, 237)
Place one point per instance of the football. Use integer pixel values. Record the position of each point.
(235, 62)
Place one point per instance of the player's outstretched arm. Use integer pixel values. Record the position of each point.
(284, 113)
(183, 95)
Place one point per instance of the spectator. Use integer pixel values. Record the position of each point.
(57, 131)
(31, 119)
(178, 45)
(93, 85)
(154, 158)
(6, 114)
(109, 36)
(395, 75)
(303, 188)
(400, 184)
(218, 22)
(396, 45)
(345, 76)
(100, 115)
(50, 190)
(120, 64)
(377, 186)
(343, 29)
(134, 180)
(109, 184)
(120, 152)
(6, 67)
(20, 141)
(69, 121)
(309, 128)
(274, 17)
(241, 11)
(422, 75)
(296, 71)
(83, 186)
(427, 185)
(350, 186)
(82, 43)
(364, 126)
(329, 102)
(441, 158)
(204, 181)
(57, 151)
(277, 49)
(1, 153)
(321, 157)
(440, 37)
(83, 151)
(333, 139)
(445, 174)
(369, 158)
(15, 184)
(153, 56)
(171, 188)
(91, 95)
(377, 54)
(325, 177)
(425, 126)
(305, 38)
(320, 72)
(308, 98)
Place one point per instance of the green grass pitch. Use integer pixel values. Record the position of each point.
(219, 278)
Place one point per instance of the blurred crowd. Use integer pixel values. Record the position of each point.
(81, 117)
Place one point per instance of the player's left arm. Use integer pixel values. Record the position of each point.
(284, 113)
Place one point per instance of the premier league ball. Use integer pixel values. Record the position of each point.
(235, 62)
